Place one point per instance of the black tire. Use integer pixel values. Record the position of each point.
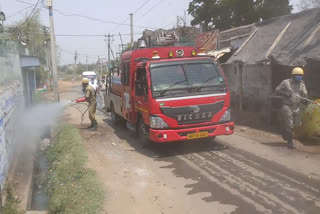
(143, 133)
(114, 116)
(211, 139)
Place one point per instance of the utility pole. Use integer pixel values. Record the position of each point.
(48, 63)
(122, 45)
(48, 67)
(87, 63)
(75, 63)
(109, 49)
(53, 53)
(178, 22)
(131, 28)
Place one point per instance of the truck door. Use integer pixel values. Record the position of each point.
(125, 80)
(142, 92)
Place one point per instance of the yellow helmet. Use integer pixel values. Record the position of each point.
(85, 80)
(297, 71)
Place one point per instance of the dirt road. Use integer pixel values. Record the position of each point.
(232, 175)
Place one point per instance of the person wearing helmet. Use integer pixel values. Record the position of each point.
(90, 95)
(290, 109)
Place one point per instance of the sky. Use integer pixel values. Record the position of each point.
(150, 14)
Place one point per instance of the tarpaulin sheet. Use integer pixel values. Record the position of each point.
(292, 49)
(207, 41)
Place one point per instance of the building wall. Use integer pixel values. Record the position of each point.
(257, 87)
(11, 98)
(233, 77)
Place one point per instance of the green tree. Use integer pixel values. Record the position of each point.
(224, 14)
(267, 9)
(36, 37)
(30, 31)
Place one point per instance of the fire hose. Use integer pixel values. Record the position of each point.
(306, 99)
(82, 113)
(81, 101)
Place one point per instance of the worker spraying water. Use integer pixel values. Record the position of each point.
(294, 92)
(91, 98)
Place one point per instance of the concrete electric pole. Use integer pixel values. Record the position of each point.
(48, 63)
(86, 63)
(131, 28)
(109, 49)
(53, 53)
(75, 63)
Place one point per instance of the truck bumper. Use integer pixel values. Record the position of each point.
(163, 136)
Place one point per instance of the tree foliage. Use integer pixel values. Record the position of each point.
(307, 4)
(224, 14)
(34, 35)
(30, 31)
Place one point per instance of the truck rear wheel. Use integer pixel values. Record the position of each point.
(143, 133)
(114, 117)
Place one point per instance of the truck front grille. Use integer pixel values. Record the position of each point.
(193, 114)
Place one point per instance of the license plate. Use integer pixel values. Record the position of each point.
(197, 135)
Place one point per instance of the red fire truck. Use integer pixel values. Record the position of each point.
(170, 94)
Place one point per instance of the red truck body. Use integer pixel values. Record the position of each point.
(171, 94)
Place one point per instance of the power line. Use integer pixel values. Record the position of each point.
(139, 8)
(144, 4)
(156, 5)
(31, 14)
(93, 35)
(99, 20)
(83, 52)
(10, 16)
(87, 17)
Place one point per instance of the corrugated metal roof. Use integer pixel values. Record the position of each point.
(29, 61)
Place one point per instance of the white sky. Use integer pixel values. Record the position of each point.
(154, 14)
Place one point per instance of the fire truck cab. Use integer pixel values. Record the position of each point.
(170, 94)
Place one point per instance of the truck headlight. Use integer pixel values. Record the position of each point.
(157, 122)
(226, 116)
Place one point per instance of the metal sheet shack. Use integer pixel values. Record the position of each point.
(267, 56)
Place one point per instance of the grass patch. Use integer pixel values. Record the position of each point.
(71, 186)
(66, 76)
(11, 204)
(39, 97)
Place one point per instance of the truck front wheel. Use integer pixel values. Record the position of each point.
(143, 133)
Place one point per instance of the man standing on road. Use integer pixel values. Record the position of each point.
(291, 90)
(90, 97)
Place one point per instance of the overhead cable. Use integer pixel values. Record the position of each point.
(31, 14)
(18, 12)
(92, 35)
(88, 17)
(139, 8)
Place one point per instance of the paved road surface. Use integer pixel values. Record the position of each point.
(230, 175)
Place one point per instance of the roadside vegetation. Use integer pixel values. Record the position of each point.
(72, 187)
(11, 204)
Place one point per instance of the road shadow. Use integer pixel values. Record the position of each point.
(310, 142)
(157, 150)
(276, 144)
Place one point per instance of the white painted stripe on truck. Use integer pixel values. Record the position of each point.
(190, 97)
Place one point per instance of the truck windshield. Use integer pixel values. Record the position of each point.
(174, 79)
